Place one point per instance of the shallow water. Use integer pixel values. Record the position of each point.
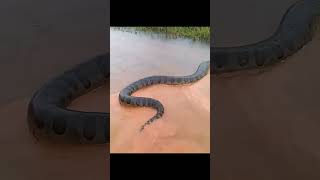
(269, 120)
(36, 45)
(137, 55)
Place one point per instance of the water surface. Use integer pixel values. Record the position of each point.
(137, 55)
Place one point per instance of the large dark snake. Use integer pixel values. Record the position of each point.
(125, 94)
(294, 31)
(49, 118)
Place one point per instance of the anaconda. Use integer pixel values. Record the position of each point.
(294, 31)
(48, 116)
(126, 98)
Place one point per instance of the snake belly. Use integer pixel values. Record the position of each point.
(126, 98)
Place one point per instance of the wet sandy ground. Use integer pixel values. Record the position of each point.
(266, 125)
(184, 127)
(39, 40)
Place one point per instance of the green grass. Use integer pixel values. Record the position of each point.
(195, 33)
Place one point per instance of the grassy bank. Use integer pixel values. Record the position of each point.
(195, 33)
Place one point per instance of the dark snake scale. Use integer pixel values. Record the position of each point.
(294, 31)
(126, 98)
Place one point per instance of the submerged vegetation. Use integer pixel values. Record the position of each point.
(195, 33)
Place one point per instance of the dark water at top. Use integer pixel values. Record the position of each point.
(138, 55)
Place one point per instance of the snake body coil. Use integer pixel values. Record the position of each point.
(48, 116)
(125, 94)
(294, 31)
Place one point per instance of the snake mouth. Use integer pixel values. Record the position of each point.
(48, 116)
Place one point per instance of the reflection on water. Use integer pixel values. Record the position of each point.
(136, 55)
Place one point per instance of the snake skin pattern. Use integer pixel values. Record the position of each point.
(126, 98)
(48, 117)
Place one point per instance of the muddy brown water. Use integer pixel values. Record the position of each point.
(266, 123)
(137, 55)
(39, 40)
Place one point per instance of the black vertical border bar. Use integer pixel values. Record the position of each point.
(212, 100)
(107, 30)
(160, 13)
